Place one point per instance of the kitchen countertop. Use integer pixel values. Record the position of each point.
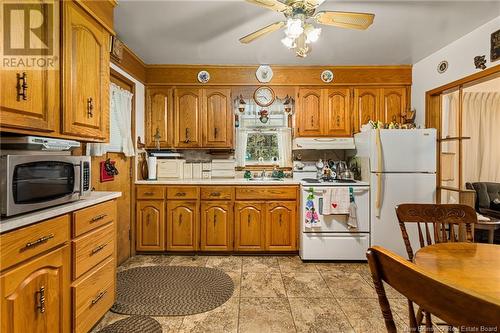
(221, 181)
(18, 221)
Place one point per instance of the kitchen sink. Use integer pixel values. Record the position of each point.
(265, 179)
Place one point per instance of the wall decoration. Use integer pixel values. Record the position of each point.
(480, 62)
(203, 76)
(327, 76)
(263, 116)
(264, 96)
(241, 104)
(264, 73)
(442, 67)
(108, 170)
(495, 46)
(116, 49)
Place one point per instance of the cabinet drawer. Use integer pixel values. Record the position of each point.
(150, 192)
(266, 192)
(216, 193)
(19, 245)
(93, 217)
(182, 192)
(93, 296)
(91, 249)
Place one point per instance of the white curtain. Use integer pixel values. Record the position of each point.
(285, 146)
(481, 122)
(120, 128)
(241, 146)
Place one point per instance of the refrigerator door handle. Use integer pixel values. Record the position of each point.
(378, 195)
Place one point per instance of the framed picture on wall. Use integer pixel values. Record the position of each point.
(495, 46)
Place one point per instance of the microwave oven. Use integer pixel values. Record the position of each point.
(33, 182)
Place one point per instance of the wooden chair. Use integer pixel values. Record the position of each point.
(443, 219)
(467, 311)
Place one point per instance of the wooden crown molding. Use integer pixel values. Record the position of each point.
(131, 64)
(102, 11)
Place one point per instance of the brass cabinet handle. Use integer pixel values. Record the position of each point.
(90, 107)
(215, 194)
(180, 194)
(248, 218)
(312, 121)
(188, 135)
(338, 120)
(280, 219)
(22, 86)
(216, 131)
(98, 217)
(180, 218)
(148, 219)
(41, 299)
(99, 248)
(149, 193)
(215, 219)
(38, 241)
(98, 297)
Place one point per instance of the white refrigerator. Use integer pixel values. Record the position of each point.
(400, 166)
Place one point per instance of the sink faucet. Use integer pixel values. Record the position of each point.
(263, 174)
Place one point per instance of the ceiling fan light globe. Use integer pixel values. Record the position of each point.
(288, 42)
(294, 27)
(312, 34)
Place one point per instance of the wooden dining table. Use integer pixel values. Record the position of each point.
(469, 266)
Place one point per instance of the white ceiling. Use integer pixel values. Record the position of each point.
(207, 32)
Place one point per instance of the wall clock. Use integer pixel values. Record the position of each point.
(264, 96)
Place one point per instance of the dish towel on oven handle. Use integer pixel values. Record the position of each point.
(336, 201)
(312, 218)
(352, 220)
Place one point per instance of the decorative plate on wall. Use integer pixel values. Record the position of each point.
(442, 67)
(203, 76)
(264, 73)
(327, 76)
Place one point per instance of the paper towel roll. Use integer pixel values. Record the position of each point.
(152, 167)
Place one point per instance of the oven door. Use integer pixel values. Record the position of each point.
(338, 223)
(37, 182)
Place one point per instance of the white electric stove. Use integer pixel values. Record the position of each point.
(332, 239)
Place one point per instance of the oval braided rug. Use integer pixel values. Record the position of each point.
(171, 290)
(133, 324)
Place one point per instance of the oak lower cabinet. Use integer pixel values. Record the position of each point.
(281, 226)
(216, 226)
(35, 295)
(249, 226)
(150, 225)
(182, 225)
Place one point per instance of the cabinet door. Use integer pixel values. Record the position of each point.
(187, 112)
(281, 224)
(366, 106)
(35, 295)
(309, 117)
(249, 233)
(150, 225)
(216, 226)
(337, 112)
(86, 75)
(182, 225)
(217, 118)
(393, 104)
(159, 117)
(37, 108)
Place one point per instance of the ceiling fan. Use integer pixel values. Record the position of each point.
(299, 32)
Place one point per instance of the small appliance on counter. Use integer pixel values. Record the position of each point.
(223, 169)
(32, 182)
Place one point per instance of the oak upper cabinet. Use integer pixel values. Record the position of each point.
(281, 222)
(366, 106)
(393, 104)
(310, 113)
(217, 118)
(85, 75)
(216, 226)
(187, 112)
(35, 295)
(29, 100)
(249, 228)
(337, 112)
(159, 117)
(150, 225)
(182, 225)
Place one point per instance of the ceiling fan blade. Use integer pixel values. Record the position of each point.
(314, 3)
(270, 4)
(261, 32)
(360, 21)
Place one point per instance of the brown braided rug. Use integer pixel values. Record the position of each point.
(133, 324)
(171, 290)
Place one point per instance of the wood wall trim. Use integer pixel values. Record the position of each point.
(131, 64)
(102, 11)
(283, 75)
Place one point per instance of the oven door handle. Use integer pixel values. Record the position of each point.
(320, 206)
